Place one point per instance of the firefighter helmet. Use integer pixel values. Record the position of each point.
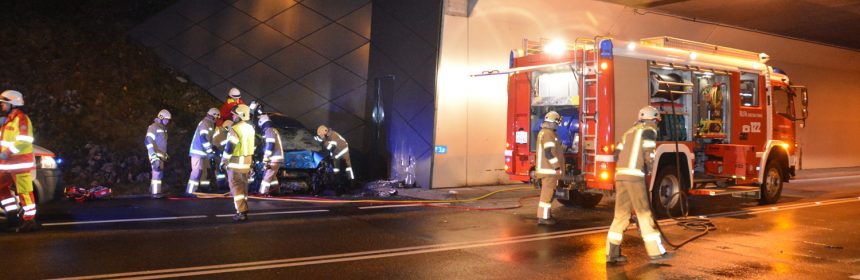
(649, 113)
(234, 93)
(552, 116)
(322, 131)
(214, 113)
(12, 97)
(243, 112)
(163, 114)
(263, 120)
(227, 124)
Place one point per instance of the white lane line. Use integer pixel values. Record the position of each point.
(855, 276)
(826, 178)
(277, 213)
(345, 257)
(123, 220)
(399, 205)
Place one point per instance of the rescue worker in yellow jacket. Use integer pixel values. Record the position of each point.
(156, 147)
(337, 147)
(201, 151)
(550, 165)
(17, 162)
(237, 159)
(273, 154)
(219, 141)
(634, 159)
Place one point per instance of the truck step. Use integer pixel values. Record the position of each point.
(742, 191)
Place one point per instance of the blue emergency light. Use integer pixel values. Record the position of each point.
(606, 48)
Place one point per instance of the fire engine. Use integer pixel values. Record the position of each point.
(728, 119)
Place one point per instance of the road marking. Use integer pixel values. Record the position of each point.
(124, 220)
(826, 178)
(855, 276)
(277, 213)
(425, 249)
(400, 205)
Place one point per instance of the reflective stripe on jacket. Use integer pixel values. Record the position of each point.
(240, 146)
(201, 142)
(550, 155)
(274, 151)
(17, 143)
(156, 140)
(636, 150)
(336, 144)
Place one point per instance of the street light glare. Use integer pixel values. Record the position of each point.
(556, 47)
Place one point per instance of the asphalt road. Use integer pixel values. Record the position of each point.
(809, 234)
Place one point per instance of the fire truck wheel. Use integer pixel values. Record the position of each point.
(582, 199)
(771, 188)
(664, 194)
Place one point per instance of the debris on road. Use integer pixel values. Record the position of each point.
(81, 194)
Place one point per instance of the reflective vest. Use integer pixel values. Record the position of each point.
(156, 140)
(227, 109)
(273, 151)
(219, 138)
(550, 154)
(636, 150)
(201, 142)
(17, 143)
(336, 144)
(240, 146)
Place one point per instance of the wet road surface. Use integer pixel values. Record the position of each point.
(142, 238)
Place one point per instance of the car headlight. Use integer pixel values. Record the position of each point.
(47, 163)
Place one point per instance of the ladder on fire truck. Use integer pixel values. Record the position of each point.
(586, 69)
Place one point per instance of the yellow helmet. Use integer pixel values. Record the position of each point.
(243, 111)
(322, 131)
(552, 116)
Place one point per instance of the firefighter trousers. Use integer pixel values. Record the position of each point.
(345, 164)
(157, 173)
(23, 183)
(199, 174)
(238, 179)
(631, 195)
(547, 192)
(270, 177)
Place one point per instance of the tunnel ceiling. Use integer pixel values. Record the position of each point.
(832, 22)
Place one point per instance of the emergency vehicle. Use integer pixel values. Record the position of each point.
(728, 119)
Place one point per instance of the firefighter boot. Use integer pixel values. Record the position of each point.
(660, 259)
(240, 217)
(614, 256)
(546, 222)
(27, 226)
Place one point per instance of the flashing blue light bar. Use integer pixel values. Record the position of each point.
(59, 161)
(606, 48)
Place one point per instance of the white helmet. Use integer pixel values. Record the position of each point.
(649, 113)
(214, 113)
(234, 93)
(163, 114)
(263, 119)
(552, 116)
(12, 97)
(243, 111)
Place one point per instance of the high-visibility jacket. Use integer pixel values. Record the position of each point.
(636, 150)
(227, 109)
(201, 142)
(17, 143)
(219, 138)
(550, 153)
(273, 150)
(240, 146)
(336, 144)
(156, 141)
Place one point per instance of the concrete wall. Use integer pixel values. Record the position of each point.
(471, 111)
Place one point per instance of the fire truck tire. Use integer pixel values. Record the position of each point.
(664, 194)
(582, 199)
(771, 188)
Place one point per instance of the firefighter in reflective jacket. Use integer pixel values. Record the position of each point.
(237, 159)
(201, 151)
(219, 141)
(273, 154)
(635, 156)
(550, 165)
(156, 147)
(17, 162)
(337, 147)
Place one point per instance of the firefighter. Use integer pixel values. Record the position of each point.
(273, 154)
(219, 140)
(550, 165)
(338, 149)
(156, 147)
(634, 157)
(234, 97)
(201, 152)
(17, 162)
(237, 159)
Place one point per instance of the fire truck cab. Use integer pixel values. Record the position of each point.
(728, 120)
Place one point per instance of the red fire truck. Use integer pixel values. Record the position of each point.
(728, 123)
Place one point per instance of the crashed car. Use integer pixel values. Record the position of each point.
(307, 166)
(46, 184)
